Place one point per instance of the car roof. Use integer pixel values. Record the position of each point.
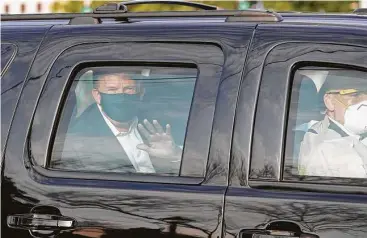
(283, 18)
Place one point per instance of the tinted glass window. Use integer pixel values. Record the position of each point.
(129, 119)
(327, 125)
(7, 51)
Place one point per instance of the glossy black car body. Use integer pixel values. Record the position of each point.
(250, 76)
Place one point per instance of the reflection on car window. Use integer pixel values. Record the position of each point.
(129, 119)
(7, 51)
(327, 126)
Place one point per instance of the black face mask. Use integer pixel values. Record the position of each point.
(121, 107)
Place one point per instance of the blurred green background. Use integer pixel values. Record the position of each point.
(303, 6)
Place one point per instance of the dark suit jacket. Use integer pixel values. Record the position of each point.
(90, 145)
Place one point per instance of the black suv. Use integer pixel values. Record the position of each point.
(263, 115)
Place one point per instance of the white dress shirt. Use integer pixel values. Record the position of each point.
(128, 141)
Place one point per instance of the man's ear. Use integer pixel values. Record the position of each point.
(96, 96)
(329, 102)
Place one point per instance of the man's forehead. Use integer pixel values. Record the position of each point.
(116, 79)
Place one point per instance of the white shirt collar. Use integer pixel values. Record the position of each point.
(113, 128)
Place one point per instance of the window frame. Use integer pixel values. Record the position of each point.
(180, 60)
(10, 59)
(74, 75)
(287, 151)
(318, 54)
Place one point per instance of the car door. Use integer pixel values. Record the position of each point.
(281, 99)
(41, 201)
(17, 53)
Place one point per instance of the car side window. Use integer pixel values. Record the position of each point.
(125, 119)
(327, 124)
(7, 52)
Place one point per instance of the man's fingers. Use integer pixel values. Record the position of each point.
(144, 131)
(168, 129)
(143, 147)
(149, 126)
(158, 127)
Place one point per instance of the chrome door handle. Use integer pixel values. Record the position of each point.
(278, 228)
(33, 221)
(275, 233)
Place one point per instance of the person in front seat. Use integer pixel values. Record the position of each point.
(337, 145)
(108, 137)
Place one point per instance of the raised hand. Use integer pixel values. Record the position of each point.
(160, 143)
